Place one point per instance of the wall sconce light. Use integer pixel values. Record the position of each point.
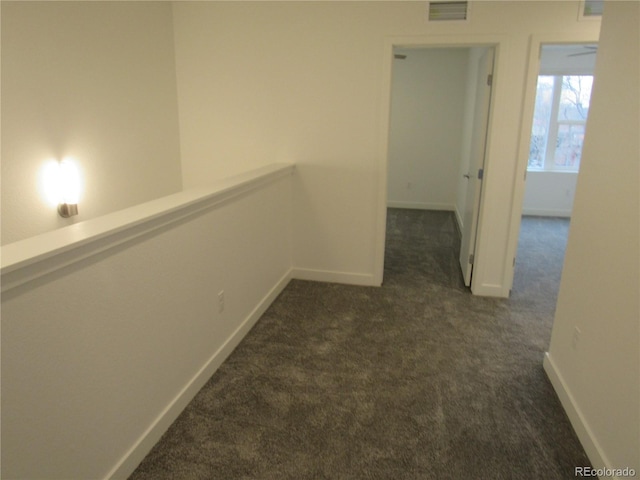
(69, 182)
(62, 186)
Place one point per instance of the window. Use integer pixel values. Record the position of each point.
(590, 9)
(559, 118)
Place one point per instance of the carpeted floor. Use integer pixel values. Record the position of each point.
(415, 380)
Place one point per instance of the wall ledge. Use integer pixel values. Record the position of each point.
(34, 257)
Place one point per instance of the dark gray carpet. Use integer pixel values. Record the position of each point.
(415, 380)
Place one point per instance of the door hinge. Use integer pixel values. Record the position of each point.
(514, 262)
(471, 258)
(490, 79)
(480, 173)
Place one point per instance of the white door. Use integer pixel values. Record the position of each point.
(476, 164)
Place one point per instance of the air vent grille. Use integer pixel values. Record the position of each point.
(448, 11)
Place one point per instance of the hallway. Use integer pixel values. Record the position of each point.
(414, 380)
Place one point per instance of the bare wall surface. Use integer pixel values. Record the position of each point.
(94, 81)
(595, 342)
(307, 82)
(426, 130)
(549, 193)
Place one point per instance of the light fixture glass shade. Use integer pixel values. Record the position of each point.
(61, 186)
(69, 182)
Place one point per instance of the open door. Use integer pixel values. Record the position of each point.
(476, 164)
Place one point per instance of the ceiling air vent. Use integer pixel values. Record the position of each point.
(448, 11)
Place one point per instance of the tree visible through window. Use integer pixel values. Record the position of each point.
(560, 115)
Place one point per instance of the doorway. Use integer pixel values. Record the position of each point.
(560, 113)
(439, 113)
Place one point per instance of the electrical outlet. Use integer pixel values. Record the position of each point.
(221, 301)
(576, 337)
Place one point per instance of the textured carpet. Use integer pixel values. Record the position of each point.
(415, 380)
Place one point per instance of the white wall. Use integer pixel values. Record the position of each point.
(425, 134)
(104, 345)
(598, 376)
(549, 193)
(307, 82)
(257, 82)
(91, 80)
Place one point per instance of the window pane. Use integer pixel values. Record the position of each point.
(541, 117)
(569, 146)
(574, 97)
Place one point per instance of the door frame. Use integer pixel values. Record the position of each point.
(528, 105)
(499, 44)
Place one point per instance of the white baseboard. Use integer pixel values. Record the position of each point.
(150, 437)
(459, 219)
(420, 206)
(546, 213)
(488, 290)
(583, 431)
(363, 279)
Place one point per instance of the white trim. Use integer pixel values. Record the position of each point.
(546, 213)
(347, 278)
(489, 290)
(499, 42)
(421, 206)
(459, 220)
(384, 115)
(34, 257)
(580, 425)
(151, 436)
